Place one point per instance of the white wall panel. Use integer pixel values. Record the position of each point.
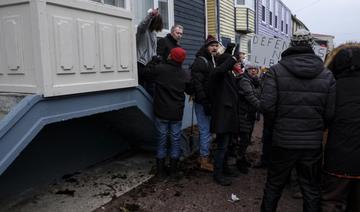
(123, 48)
(87, 46)
(12, 35)
(65, 50)
(107, 46)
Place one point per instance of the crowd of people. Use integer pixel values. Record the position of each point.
(300, 98)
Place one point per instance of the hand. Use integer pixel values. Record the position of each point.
(155, 12)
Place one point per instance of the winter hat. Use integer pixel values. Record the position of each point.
(302, 37)
(178, 54)
(250, 66)
(210, 39)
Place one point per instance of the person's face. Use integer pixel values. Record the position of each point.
(253, 72)
(242, 56)
(213, 48)
(177, 34)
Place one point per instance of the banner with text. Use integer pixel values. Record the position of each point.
(266, 51)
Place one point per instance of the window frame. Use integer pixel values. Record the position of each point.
(263, 11)
(171, 15)
(126, 2)
(271, 13)
(246, 4)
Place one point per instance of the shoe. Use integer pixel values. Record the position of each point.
(205, 164)
(297, 195)
(175, 174)
(222, 180)
(242, 166)
(231, 172)
(160, 169)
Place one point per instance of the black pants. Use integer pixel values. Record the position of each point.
(222, 142)
(149, 86)
(266, 145)
(307, 164)
(340, 194)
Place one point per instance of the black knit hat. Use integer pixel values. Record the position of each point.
(210, 39)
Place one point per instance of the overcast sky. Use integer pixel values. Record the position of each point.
(340, 18)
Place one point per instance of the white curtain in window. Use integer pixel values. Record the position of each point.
(163, 6)
(140, 8)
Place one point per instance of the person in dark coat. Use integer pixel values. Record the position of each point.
(170, 41)
(169, 99)
(249, 104)
(224, 115)
(341, 180)
(201, 68)
(300, 93)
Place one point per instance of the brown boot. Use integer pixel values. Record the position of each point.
(205, 164)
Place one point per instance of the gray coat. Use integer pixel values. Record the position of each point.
(146, 41)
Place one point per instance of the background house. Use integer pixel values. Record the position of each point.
(188, 13)
(273, 19)
(232, 21)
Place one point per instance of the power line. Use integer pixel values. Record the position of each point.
(307, 6)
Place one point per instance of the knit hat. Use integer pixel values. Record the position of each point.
(178, 54)
(302, 37)
(250, 66)
(210, 39)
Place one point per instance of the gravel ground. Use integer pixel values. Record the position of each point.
(196, 191)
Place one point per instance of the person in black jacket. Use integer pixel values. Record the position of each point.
(224, 114)
(171, 81)
(170, 41)
(299, 92)
(341, 180)
(249, 104)
(201, 68)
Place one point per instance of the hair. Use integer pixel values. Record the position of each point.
(175, 26)
(156, 24)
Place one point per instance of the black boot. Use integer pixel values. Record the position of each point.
(160, 168)
(230, 171)
(174, 169)
(242, 166)
(221, 179)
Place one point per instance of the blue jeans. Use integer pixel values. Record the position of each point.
(162, 128)
(203, 122)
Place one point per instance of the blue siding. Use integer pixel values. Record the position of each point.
(191, 15)
(265, 28)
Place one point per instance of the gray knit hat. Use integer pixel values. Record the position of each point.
(302, 37)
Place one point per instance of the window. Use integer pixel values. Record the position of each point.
(141, 7)
(276, 13)
(116, 3)
(245, 3)
(287, 17)
(271, 12)
(283, 14)
(263, 10)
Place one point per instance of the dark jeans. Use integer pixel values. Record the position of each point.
(222, 142)
(340, 194)
(307, 164)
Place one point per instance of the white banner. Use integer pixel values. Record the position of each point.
(266, 51)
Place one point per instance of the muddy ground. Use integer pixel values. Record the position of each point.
(196, 191)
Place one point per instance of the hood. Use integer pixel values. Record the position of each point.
(302, 62)
(344, 59)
